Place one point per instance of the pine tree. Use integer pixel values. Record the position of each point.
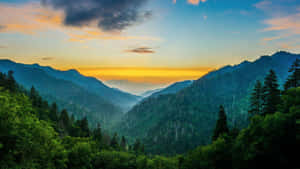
(35, 98)
(137, 146)
(64, 121)
(271, 94)
(54, 112)
(123, 143)
(221, 126)
(294, 77)
(256, 100)
(72, 118)
(11, 83)
(97, 133)
(84, 127)
(143, 148)
(2, 79)
(114, 142)
(32, 94)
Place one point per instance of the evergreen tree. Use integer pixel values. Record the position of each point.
(32, 94)
(35, 98)
(143, 148)
(123, 143)
(64, 121)
(11, 83)
(84, 127)
(294, 77)
(97, 133)
(221, 126)
(72, 119)
(256, 101)
(137, 146)
(130, 148)
(2, 79)
(114, 141)
(271, 94)
(54, 112)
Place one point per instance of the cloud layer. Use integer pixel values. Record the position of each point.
(109, 15)
(141, 50)
(282, 20)
(193, 2)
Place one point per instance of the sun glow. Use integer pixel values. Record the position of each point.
(149, 75)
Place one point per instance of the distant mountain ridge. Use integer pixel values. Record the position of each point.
(175, 123)
(173, 88)
(150, 92)
(91, 84)
(82, 96)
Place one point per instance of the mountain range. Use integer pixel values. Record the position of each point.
(168, 120)
(81, 95)
(173, 88)
(176, 123)
(137, 88)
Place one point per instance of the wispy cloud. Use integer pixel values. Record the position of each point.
(290, 24)
(263, 5)
(141, 50)
(289, 46)
(47, 58)
(86, 35)
(28, 18)
(193, 2)
(282, 19)
(271, 38)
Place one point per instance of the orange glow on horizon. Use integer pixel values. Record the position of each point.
(148, 75)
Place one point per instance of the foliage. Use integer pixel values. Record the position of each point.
(271, 93)
(32, 137)
(221, 126)
(294, 77)
(27, 142)
(256, 99)
(266, 143)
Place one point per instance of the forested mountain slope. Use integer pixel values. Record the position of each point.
(79, 101)
(90, 84)
(178, 122)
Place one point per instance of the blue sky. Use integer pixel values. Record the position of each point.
(146, 34)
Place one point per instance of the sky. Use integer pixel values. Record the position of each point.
(148, 43)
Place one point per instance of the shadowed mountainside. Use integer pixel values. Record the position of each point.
(82, 96)
(175, 123)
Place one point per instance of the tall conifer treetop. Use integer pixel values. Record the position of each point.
(221, 126)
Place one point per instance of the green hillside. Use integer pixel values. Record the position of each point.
(179, 122)
(35, 135)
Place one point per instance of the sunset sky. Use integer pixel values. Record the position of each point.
(146, 41)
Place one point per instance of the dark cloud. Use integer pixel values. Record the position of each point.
(111, 15)
(2, 27)
(47, 58)
(141, 50)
